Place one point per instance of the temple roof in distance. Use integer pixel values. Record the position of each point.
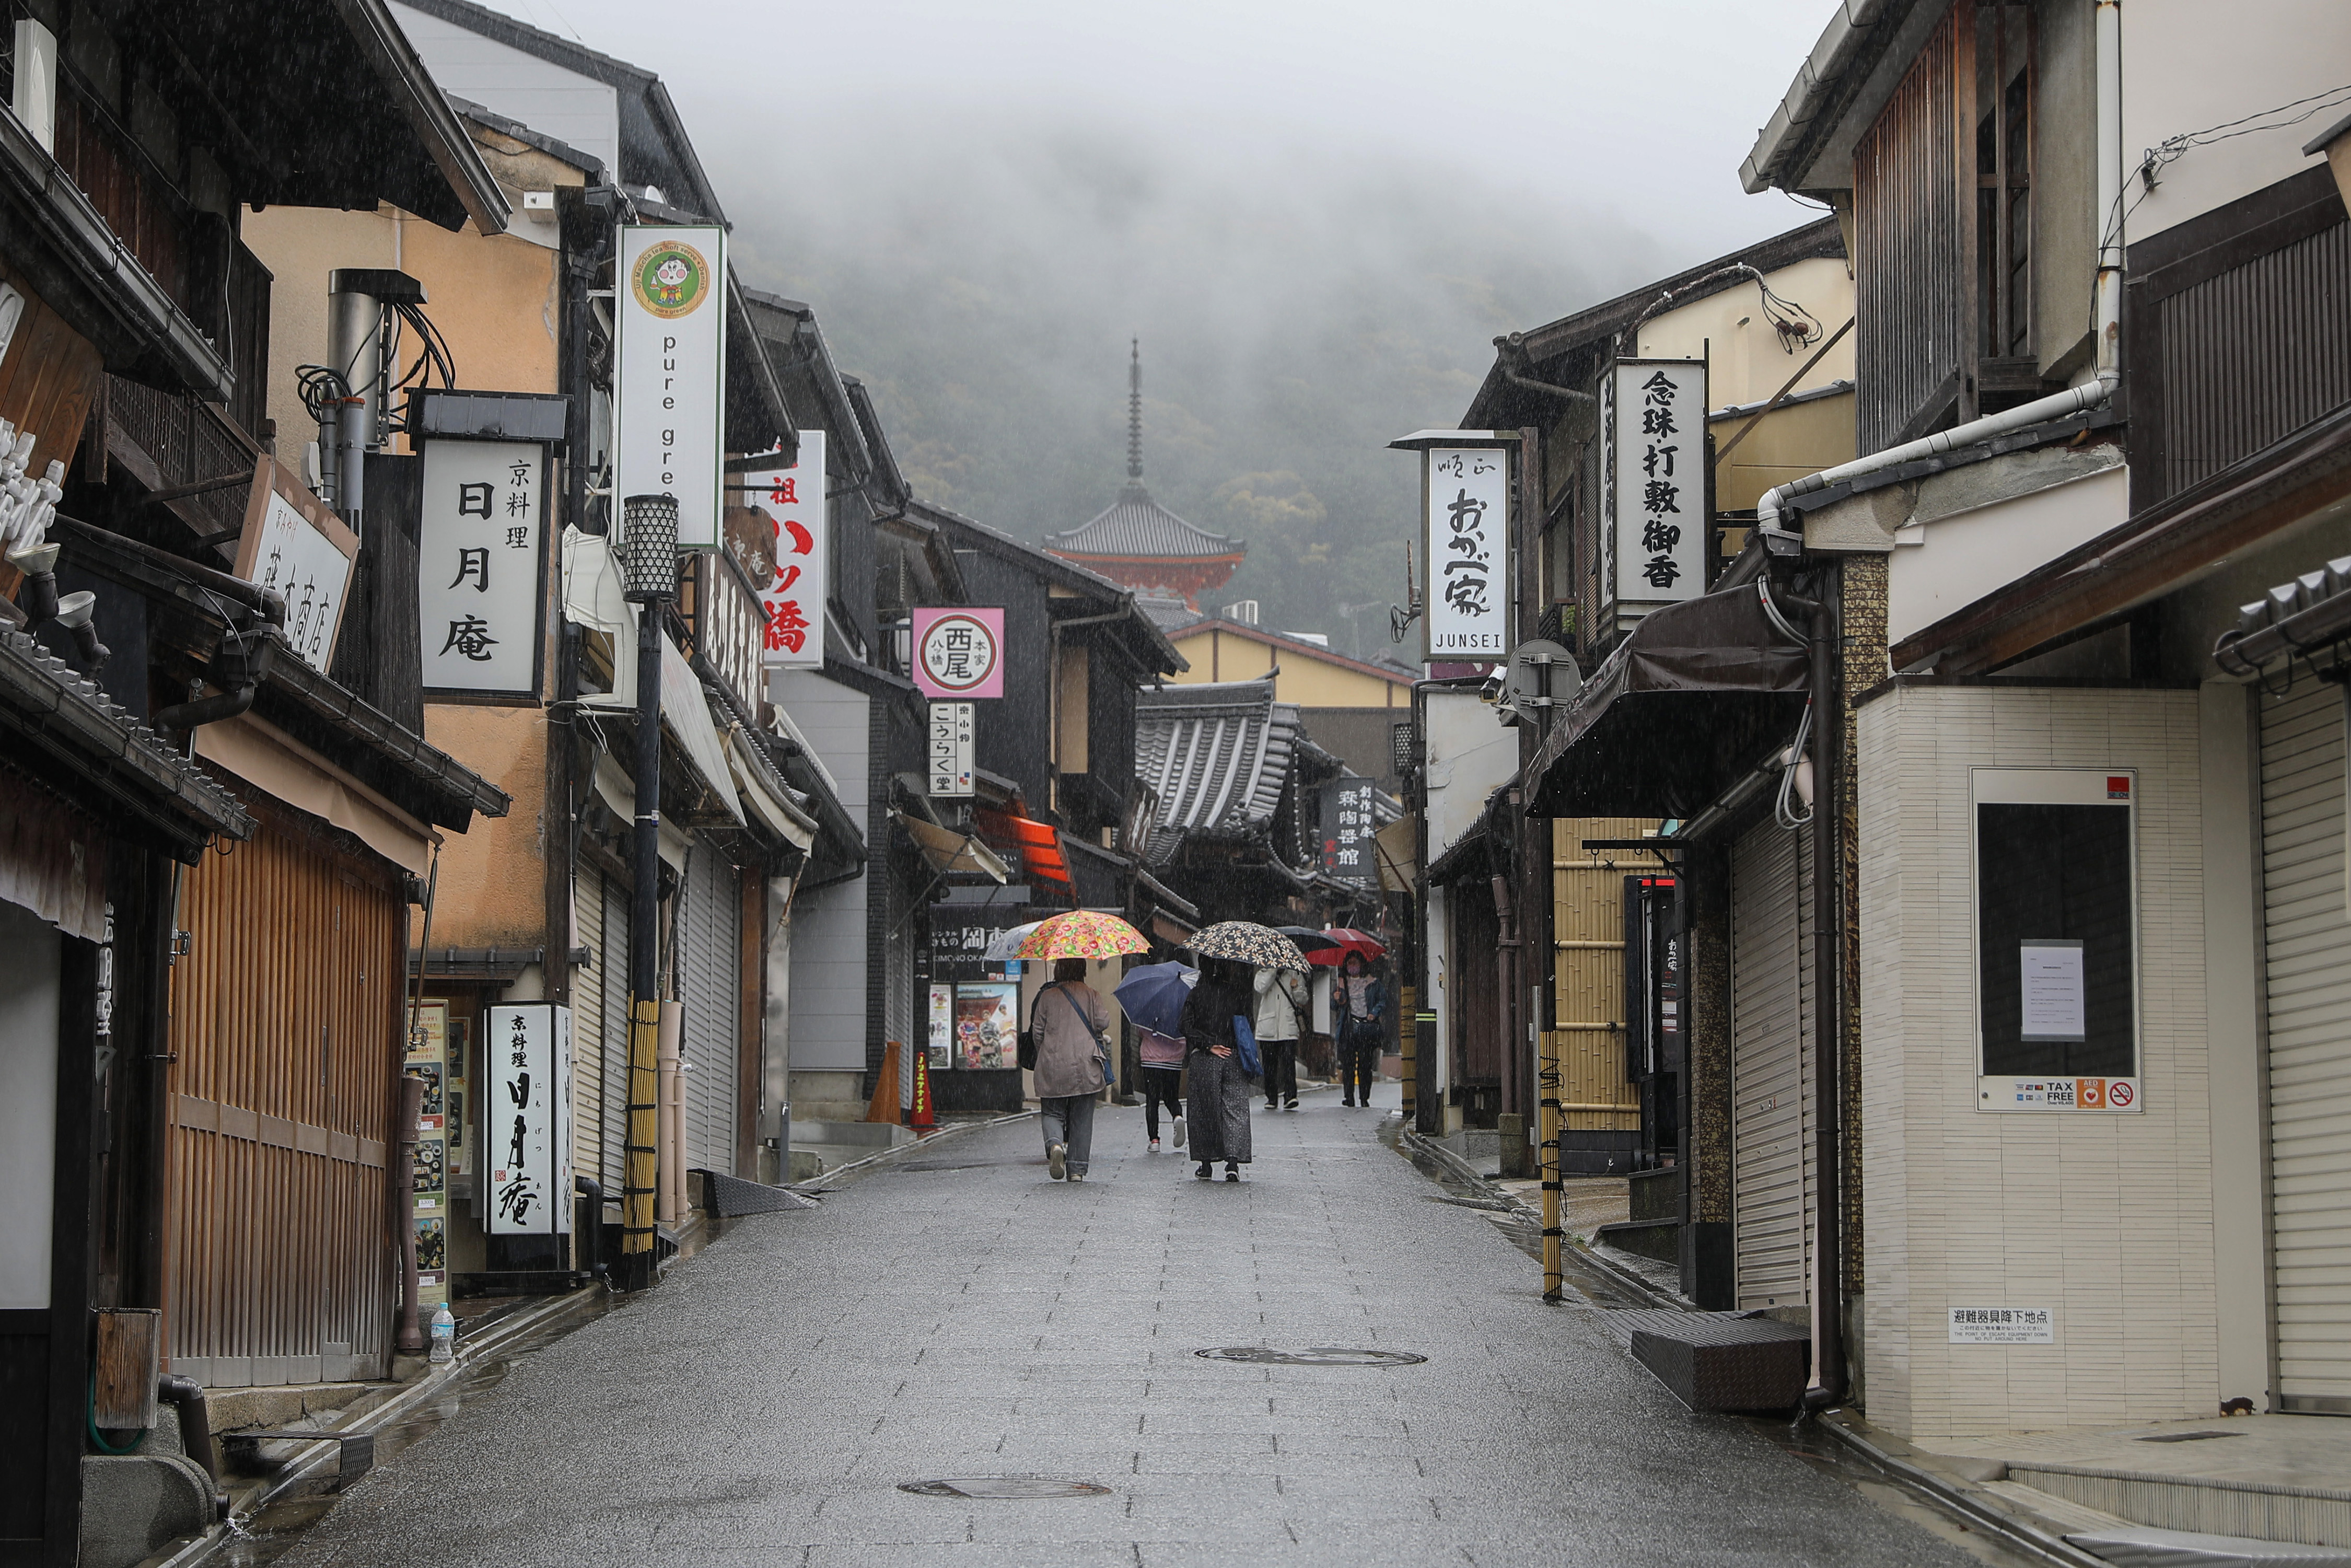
(1134, 526)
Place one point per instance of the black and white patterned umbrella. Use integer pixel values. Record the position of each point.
(1246, 942)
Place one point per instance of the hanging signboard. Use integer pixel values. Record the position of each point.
(526, 1099)
(481, 567)
(670, 373)
(788, 505)
(298, 549)
(1347, 829)
(959, 652)
(1466, 515)
(1654, 489)
(951, 748)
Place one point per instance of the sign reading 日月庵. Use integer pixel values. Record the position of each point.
(670, 376)
(525, 1121)
(480, 564)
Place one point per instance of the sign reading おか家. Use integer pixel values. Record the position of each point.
(1466, 497)
(959, 652)
(669, 382)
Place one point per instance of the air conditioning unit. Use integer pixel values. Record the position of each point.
(1245, 612)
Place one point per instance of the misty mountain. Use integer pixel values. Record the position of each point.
(1296, 310)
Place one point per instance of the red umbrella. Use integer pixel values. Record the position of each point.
(1361, 944)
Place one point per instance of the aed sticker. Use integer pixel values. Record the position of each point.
(2003, 1325)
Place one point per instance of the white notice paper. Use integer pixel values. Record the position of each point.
(2050, 971)
(2003, 1325)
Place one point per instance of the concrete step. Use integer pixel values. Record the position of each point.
(2203, 1505)
(1660, 1240)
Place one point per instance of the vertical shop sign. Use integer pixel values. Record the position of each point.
(297, 549)
(481, 567)
(669, 381)
(525, 1121)
(1347, 829)
(1465, 536)
(791, 505)
(1656, 520)
(959, 652)
(952, 746)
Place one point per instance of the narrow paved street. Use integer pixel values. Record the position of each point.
(961, 1315)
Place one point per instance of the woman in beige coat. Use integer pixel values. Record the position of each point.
(1071, 1026)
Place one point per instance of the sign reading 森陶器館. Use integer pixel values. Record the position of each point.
(2003, 1325)
(1654, 489)
(789, 504)
(297, 549)
(1467, 539)
(958, 650)
(523, 1186)
(1347, 829)
(669, 378)
(481, 566)
(952, 744)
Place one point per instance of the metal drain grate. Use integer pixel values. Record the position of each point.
(1313, 1356)
(1014, 1487)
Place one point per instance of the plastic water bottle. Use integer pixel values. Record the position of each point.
(444, 1335)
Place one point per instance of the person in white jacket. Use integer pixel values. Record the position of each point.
(1281, 1004)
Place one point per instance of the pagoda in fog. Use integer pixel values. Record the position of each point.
(1140, 544)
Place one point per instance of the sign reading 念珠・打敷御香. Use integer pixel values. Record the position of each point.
(1466, 533)
(1653, 492)
(670, 373)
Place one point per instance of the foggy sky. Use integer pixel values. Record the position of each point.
(1316, 216)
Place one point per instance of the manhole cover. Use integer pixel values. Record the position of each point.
(1313, 1356)
(1003, 1487)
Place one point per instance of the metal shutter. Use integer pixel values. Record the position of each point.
(710, 961)
(588, 1024)
(1773, 1193)
(2307, 961)
(613, 992)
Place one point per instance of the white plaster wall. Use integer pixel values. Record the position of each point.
(1470, 755)
(1745, 361)
(1943, 566)
(827, 1019)
(2189, 65)
(2106, 1218)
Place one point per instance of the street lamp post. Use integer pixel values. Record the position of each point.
(649, 546)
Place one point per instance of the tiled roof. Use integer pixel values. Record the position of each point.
(1135, 525)
(1217, 754)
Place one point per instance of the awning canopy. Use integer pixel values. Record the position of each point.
(1399, 846)
(1676, 713)
(946, 851)
(1039, 844)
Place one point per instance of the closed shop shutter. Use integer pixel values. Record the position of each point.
(2307, 961)
(612, 993)
(711, 960)
(1773, 1192)
(588, 1025)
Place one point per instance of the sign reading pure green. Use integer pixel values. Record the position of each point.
(670, 398)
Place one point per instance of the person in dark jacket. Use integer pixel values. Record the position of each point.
(1361, 1003)
(1219, 1091)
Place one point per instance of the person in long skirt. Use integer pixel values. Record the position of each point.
(1219, 1091)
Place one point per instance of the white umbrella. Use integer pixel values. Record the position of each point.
(1004, 944)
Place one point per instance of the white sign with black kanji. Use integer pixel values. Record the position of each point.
(1657, 485)
(525, 1093)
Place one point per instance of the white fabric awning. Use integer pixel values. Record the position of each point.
(594, 596)
(791, 823)
(685, 714)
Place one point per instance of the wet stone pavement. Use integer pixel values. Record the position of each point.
(965, 1316)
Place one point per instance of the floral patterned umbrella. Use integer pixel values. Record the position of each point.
(1082, 934)
(1246, 942)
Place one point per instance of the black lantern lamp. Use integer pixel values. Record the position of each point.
(649, 548)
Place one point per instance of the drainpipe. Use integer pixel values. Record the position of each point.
(2090, 394)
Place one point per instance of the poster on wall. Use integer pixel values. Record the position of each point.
(669, 372)
(987, 1026)
(788, 505)
(939, 1045)
(1656, 518)
(481, 566)
(958, 650)
(297, 549)
(1466, 548)
(428, 1058)
(525, 1121)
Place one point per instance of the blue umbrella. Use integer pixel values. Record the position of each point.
(1153, 995)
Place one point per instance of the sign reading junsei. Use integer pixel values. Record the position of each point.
(952, 744)
(1654, 488)
(669, 381)
(791, 598)
(481, 554)
(1465, 494)
(958, 650)
(525, 1089)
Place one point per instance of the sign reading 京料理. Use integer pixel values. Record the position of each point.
(1465, 539)
(481, 564)
(524, 1080)
(951, 744)
(1347, 829)
(958, 650)
(2003, 1325)
(669, 379)
(1654, 489)
(298, 549)
(791, 501)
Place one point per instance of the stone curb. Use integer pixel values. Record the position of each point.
(816, 1185)
(1988, 1511)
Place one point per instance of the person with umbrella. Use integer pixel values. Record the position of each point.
(1068, 1024)
(1153, 999)
(1360, 1002)
(1219, 1007)
(1282, 1002)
